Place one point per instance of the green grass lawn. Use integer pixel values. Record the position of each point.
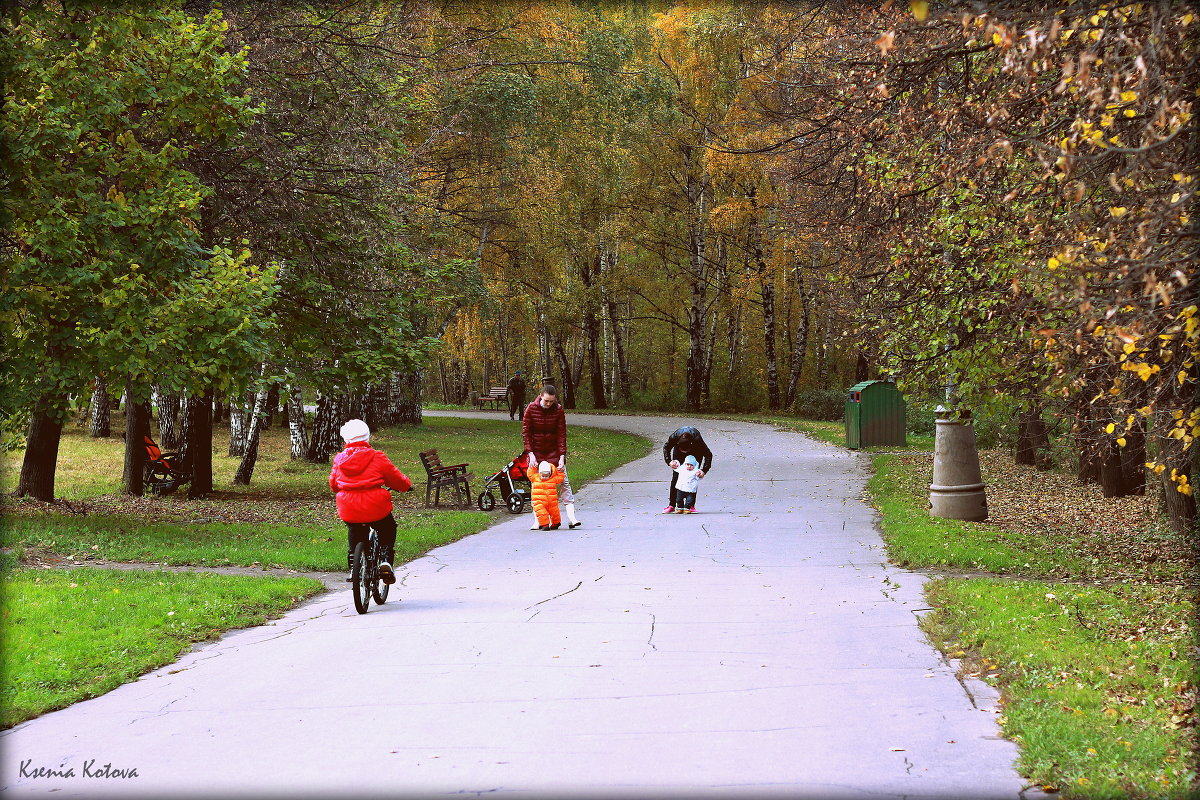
(1098, 681)
(73, 634)
(124, 537)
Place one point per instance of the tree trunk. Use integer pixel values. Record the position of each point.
(237, 426)
(200, 444)
(406, 389)
(1031, 438)
(137, 427)
(768, 301)
(862, 367)
(826, 336)
(1133, 458)
(325, 435)
(375, 405)
(101, 411)
(245, 469)
(41, 456)
(1179, 508)
(800, 341)
(622, 391)
(566, 391)
(272, 406)
(297, 422)
(695, 380)
(169, 436)
(591, 329)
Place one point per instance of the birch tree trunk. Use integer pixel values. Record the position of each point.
(325, 437)
(101, 410)
(406, 389)
(237, 427)
(258, 415)
(297, 422)
(168, 403)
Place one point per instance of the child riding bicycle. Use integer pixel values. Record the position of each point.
(361, 477)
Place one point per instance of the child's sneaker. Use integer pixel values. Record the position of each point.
(543, 527)
(555, 526)
(669, 510)
(386, 573)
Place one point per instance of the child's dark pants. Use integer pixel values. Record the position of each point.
(684, 499)
(358, 532)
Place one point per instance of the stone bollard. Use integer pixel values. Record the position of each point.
(957, 490)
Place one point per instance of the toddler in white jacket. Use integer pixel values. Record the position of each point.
(686, 486)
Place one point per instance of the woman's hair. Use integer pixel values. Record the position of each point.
(550, 390)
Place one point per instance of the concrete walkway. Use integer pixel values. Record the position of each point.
(760, 647)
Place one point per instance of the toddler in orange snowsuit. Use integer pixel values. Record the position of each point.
(545, 496)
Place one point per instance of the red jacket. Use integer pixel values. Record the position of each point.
(545, 431)
(358, 476)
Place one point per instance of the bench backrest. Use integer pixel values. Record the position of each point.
(431, 461)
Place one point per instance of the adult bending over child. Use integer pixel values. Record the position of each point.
(684, 442)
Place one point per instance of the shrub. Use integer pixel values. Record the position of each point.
(828, 405)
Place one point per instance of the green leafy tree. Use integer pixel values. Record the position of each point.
(107, 273)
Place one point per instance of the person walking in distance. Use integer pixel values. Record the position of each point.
(684, 442)
(516, 396)
(544, 431)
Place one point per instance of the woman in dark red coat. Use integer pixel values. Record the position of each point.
(544, 430)
(359, 476)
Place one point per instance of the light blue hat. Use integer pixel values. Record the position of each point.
(691, 460)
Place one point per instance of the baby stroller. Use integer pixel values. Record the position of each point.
(513, 484)
(164, 472)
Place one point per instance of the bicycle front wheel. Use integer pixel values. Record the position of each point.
(360, 578)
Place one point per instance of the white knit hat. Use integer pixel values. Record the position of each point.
(546, 467)
(355, 430)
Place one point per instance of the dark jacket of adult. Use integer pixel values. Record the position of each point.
(516, 388)
(545, 431)
(685, 442)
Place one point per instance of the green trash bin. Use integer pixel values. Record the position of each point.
(875, 415)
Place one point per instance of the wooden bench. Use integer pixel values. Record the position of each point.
(498, 397)
(438, 476)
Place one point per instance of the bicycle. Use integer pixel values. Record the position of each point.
(365, 581)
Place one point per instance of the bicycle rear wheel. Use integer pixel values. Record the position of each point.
(360, 578)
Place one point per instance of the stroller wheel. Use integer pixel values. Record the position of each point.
(516, 503)
(486, 501)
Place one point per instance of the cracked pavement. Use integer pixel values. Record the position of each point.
(761, 647)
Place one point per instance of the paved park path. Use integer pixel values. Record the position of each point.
(760, 647)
